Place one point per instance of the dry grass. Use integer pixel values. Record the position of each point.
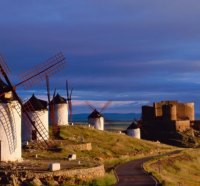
(182, 169)
(107, 147)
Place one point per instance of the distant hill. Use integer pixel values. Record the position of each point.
(108, 116)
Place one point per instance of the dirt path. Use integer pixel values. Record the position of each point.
(132, 174)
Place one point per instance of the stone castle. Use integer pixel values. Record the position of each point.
(168, 115)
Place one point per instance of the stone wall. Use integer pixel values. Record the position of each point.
(83, 174)
(182, 125)
(84, 146)
(185, 111)
(62, 177)
(148, 113)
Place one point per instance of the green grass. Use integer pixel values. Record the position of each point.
(108, 148)
(181, 169)
(108, 179)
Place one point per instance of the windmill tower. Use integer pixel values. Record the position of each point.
(39, 109)
(10, 126)
(60, 110)
(96, 118)
(134, 130)
(10, 122)
(59, 107)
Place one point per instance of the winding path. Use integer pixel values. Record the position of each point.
(132, 174)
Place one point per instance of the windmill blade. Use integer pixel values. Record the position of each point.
(52, 110)
(106, 105)
(52, 105)
(70, 97)
(69, 100)
(32, 122)
(54, 93)
(48, 89)
(90, 106)
(70, 109)
(67, 89)
(55, 128)
(35, 75)
(70, 104)
(3, 64)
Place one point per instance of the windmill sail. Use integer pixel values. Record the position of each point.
(35, 75)
(69, 99)
(28, 79)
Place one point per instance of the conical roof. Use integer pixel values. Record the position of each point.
(95, 114)
(37, 104)
(133, 125)
(58, 99)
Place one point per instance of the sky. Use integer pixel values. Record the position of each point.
(132, 52)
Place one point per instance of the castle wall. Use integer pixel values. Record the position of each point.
(158, 109)
(169, 115)
(169, 112)
(158, 106)
(186, 111)
(147, 113)
(182, 125)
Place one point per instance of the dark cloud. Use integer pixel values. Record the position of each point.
(121, 50)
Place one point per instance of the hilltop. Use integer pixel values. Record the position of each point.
(108, 148)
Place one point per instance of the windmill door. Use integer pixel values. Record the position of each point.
(34, 135)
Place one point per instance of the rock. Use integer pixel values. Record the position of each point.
(71, 157)
(53, 182)
(54, 166)
(36, 182)
(15, 181)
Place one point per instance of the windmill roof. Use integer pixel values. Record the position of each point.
(95, 114)
(58, 99)
(36, 103)
(133, 125)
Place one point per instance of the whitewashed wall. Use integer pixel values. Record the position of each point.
(14, 128)
(61, 114)
(98, 123)
(28, 128)
(134, 133)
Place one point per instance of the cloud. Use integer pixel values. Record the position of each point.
(126, 51)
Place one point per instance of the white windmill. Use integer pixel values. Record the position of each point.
(60, 110)
(96, 118)
(59, 107)
(10, 126)
(11, 107)
(134, 130)
(38, 109)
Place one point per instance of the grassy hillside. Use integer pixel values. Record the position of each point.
(108, 148)
(105, 145)
(181, 169)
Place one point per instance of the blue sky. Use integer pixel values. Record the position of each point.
(131, 52)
